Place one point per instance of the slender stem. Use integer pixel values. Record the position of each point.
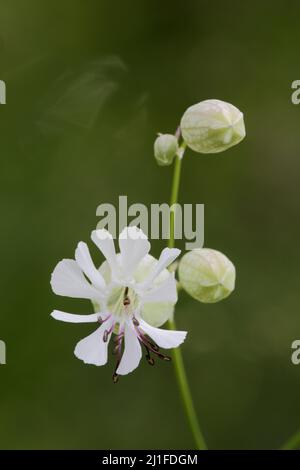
(293, 443)
(174, 199)
(177, 355)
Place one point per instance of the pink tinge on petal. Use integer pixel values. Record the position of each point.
(93, 348)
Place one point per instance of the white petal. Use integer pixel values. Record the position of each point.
(132, 353)
(134, 246)
(67, 279)
(84, 261)
(165, 292)
(167, 256)
(92, 349)
(104, 241)
(163, 338)
(73, 318)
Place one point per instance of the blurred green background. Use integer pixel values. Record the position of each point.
(89, 84)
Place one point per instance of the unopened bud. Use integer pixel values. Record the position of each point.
(165, 149)
(207, 275)
(212, 126)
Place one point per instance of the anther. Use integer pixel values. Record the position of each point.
(126, 300)
(153, 345)
(115, 378)
(164, 358)
(105, 336)
(149, 343)
(135, 321)
(149, 359)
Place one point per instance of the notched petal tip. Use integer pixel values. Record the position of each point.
(101, 234)
(133, 233)
(86, 264)
(165, 339)
(181, 337)
(68, 280)
(172, 252)
(57, 271)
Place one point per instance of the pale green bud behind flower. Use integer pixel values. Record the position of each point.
(165, 149)
(212, 126)
(207, 275)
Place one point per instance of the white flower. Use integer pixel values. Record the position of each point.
(126, 289)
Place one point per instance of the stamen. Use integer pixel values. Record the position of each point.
(105, 336)
(108, 332)
(118, 352)
(126, 299)
(149, 359)
(164, 358)
(118, 338)
(135, 321)
(102, 320)
(151, 346)
(115, 378)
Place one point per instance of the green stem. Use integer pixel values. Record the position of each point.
(293, 443)
(177, 355)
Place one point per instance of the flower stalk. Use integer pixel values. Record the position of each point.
(180, 373)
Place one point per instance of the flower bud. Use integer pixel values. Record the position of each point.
(212, 126)
(207, 275)
(165, 149)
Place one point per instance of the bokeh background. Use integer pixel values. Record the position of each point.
(89, 84)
